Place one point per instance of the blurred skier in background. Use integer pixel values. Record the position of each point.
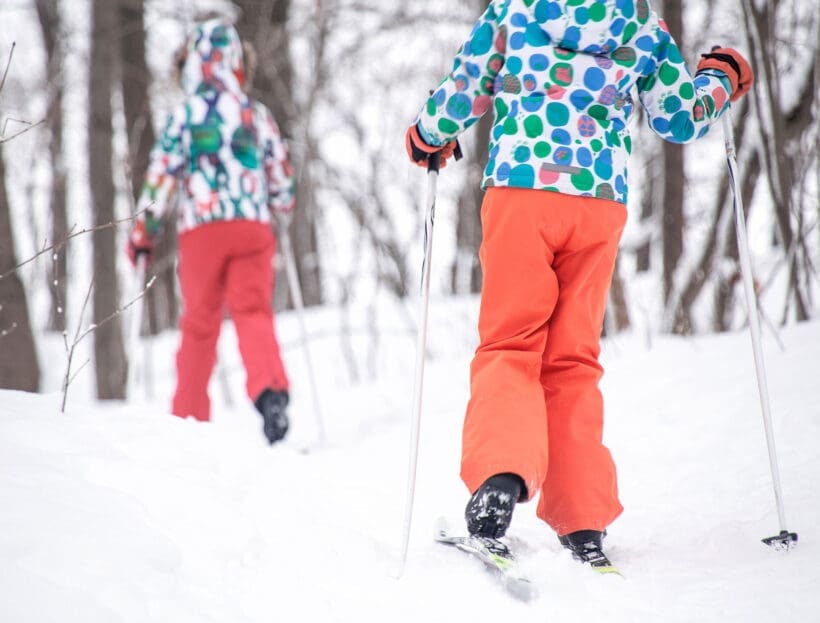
(562, 79)
(223, 154)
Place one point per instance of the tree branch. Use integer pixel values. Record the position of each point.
(78, 335)
(59, 245)
(8, 64)
(30, 126)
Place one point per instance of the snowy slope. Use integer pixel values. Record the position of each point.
(123, 513)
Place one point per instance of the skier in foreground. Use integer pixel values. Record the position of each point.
(225, 153)
(560, 78)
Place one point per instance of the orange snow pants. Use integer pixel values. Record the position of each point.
(226, 263)
(535, 409)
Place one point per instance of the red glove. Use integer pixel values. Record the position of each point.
(736, 68)
(139, 243)
(420, 152)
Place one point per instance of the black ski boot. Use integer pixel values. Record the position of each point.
(272, 405)
(585, 546)
(489, 511)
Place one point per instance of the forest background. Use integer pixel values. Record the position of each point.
(87, 83)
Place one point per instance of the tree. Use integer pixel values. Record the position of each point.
(18, 366)
(674, 179)
(161, 300)
(776, 134)
(49, 18)
(109, 351)
(265, 25)
(466, 268)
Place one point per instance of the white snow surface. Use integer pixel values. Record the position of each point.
(120, 512)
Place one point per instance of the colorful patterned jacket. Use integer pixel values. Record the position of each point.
(223, 149)
(561, 77)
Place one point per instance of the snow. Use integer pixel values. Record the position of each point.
(120, 512)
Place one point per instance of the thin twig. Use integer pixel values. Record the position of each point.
(67, 378)
(82, 312)
(23, 131)
(8, 64)
(78, 336)
(59, 245)
(119, 310)
(80, 369)
(8, 120)
(59, 309)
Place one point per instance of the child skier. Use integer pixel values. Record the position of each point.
(225, 153)
(560, 77)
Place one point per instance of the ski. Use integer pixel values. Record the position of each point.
(591, 554)
(497, 557)
(602, 566)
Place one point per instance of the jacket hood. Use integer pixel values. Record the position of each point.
(213, 58)
(590, 26)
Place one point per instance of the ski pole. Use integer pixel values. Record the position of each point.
(296, 294)
(784, 540)
(433, 166)
(135, 328)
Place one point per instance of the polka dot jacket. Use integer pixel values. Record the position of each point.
(561, 78)
(220, 156)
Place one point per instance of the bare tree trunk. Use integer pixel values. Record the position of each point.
(674, 180)
(643, 254)
(109, 351)
(466, 269)
(673, 219)
(651, 195)
(136, 80)
(305, 240)
(49, 18)
(265, 24)
(617, 314)
(161, 300)
(801, 134)
(304, 225)
(18, 355)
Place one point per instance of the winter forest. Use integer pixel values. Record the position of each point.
(86, 85)
(85, 88)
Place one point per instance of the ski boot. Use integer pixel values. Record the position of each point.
(489, 511)
(272, 405)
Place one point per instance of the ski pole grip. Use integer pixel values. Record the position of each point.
(434, 162)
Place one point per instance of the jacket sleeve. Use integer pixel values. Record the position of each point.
(680, 108)
(165, 165)
(466, 93)
(278, 169)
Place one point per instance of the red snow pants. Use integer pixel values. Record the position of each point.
(226, 264)
(535, 408)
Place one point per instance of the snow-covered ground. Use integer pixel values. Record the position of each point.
(120, 512)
